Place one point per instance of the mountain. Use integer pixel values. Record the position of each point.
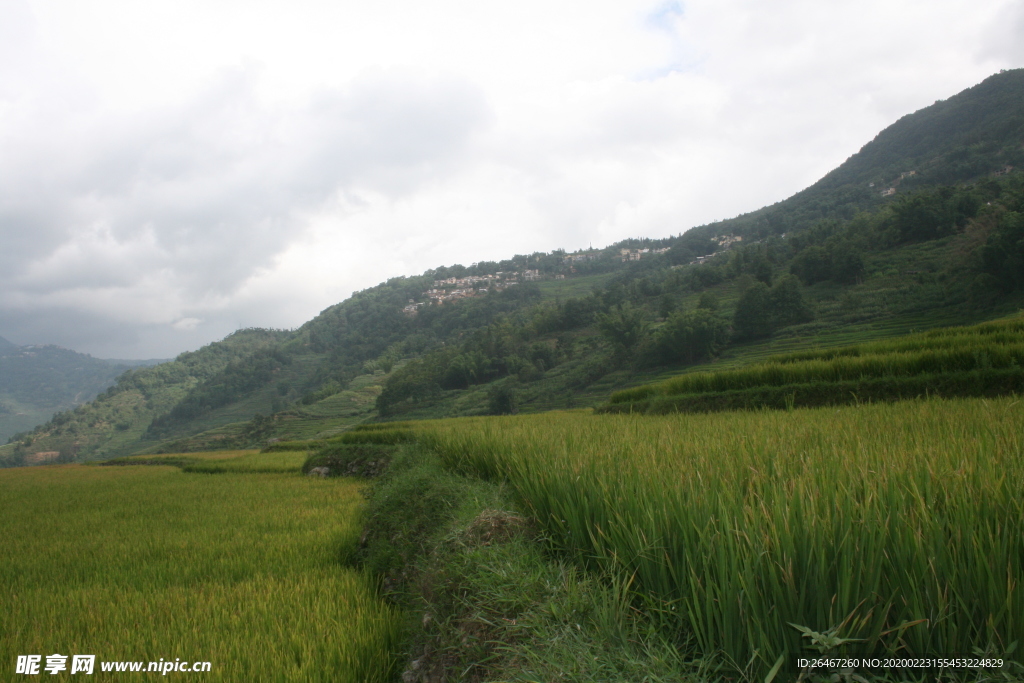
(136, 362)
(969, 136)
(924, 226)
(6, 347)
(130, 397)
(38, 381)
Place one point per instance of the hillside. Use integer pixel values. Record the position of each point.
(117, 419)
(922, 227)
(38, 381)
(974, 134)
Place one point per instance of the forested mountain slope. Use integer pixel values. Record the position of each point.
(37, 381)
(971, 135)
(119, 416)
(922, 227)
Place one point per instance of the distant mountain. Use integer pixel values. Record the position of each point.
(924, 226)
(118, 418)
(38, 381)
(136, 363)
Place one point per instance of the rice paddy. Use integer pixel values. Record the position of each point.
(980, 360)
(149, 563)
(215, 462)
(898, 525)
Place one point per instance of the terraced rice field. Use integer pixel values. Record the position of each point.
(979, 360)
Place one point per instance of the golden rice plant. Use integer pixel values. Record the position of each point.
(143, 563)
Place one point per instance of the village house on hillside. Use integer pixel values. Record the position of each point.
(891, 190)
(468, 281)
(637, 254)
(577, 258)
(454, 288)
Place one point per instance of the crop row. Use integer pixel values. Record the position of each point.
(906, 364)
(961, 350)
(904, 517)
(975, 383)
(1006, 331)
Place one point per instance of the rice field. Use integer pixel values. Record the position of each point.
(149, 563)
(253, 463)
(218, 462)
(992, 346)
(899, 525)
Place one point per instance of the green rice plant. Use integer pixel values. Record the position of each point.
(280, 461)
(846, 368)
(215, 462)
(997, 332)
(303, 445)
(175, 459)
(144, 563)
(992, 346)
(378, 426)
(990, 383)
(388, 436)
(904, 520)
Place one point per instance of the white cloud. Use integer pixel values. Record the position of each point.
(186, 324)
(148, 217)
(172, 170)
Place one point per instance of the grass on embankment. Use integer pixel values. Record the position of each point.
(906, 517)
(484, 598)
(144, 563)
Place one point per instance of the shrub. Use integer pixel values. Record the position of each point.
(351, 460)
(503, 398)
(690, 337)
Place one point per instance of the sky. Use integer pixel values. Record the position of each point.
(173, 171)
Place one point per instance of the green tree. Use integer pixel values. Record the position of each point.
(624, 326)
(1002, 256)
(787, 303)
(503, 398)
(762, 269)
(708, 301)
(930, 215)
(762, 310)
(666, 305)
(847, 264)
(753, 316)
(813, 264)
(691, 337)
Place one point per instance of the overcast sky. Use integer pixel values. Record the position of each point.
(171, 171)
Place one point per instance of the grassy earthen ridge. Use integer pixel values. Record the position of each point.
(484, 598)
